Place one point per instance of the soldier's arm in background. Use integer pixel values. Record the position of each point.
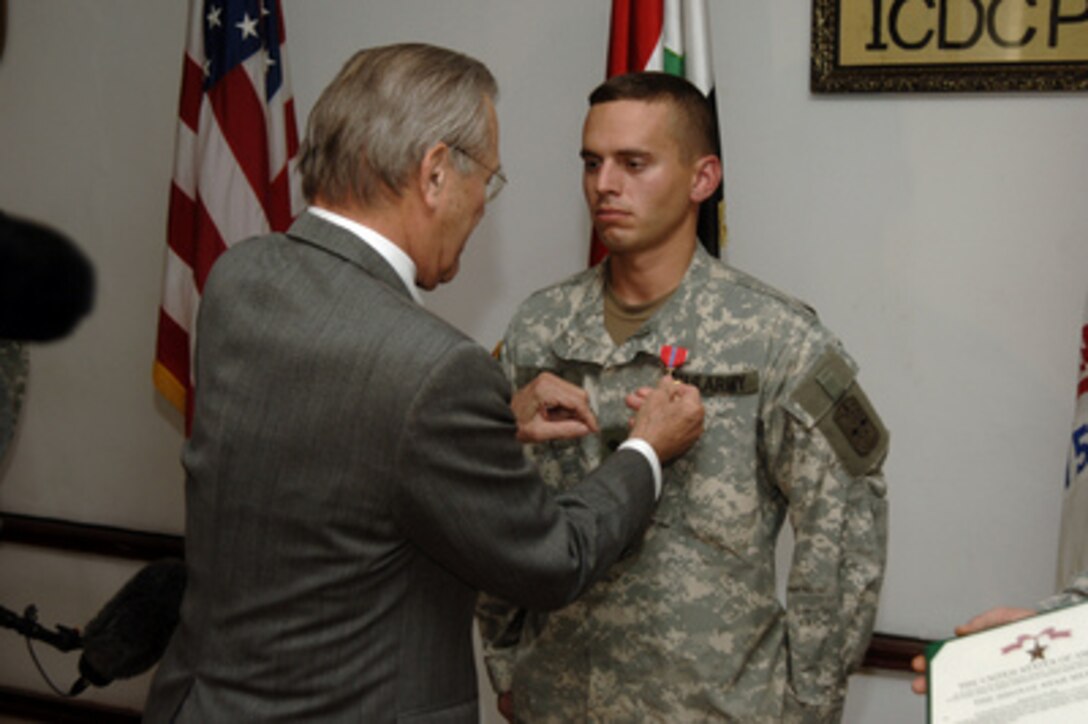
(825, 454)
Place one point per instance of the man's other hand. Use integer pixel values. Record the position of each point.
(981, 622)
(669, 417)
(550, 408)
(506, 705)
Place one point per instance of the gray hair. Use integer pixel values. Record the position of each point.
(373, 124)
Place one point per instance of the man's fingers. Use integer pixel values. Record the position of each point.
(918, 664)
(541, 430)
(566, 429)
(993, 617)
(677, 390)
(571, 410)
(562, 400)
(506, 705)
(548, 400)
(635, 400)
(918, 686)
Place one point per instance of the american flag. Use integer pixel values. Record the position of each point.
(1073, 543)
(234, 167)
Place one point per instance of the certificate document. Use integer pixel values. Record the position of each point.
(1034, 670)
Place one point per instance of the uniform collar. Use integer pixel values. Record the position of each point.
(585, 338)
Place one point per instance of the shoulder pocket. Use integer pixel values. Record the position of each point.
(831, 400)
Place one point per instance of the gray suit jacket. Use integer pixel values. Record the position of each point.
(353, 480)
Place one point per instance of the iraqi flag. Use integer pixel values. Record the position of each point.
(671, 36)
(1073, 547)
(234, 164)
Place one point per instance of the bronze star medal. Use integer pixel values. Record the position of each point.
(673, 356)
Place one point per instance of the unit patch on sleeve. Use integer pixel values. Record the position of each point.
(842, 412)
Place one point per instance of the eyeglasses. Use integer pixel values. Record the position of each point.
(495, 181)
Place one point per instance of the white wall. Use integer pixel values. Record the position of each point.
(942, 237)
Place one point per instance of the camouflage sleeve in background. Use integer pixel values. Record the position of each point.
(826, 447)
(500, 626)
(13, 370)
(1076, 592)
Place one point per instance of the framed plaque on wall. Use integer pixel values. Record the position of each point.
(871, 46)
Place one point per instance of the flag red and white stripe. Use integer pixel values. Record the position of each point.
(234, 164)
(671, 36)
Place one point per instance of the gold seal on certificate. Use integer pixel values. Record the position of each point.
(1034, 670)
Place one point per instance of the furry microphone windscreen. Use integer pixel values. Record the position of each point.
(46, 283)
(129, 635)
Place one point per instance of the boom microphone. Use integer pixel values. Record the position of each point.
(129, 635)
(46, 283)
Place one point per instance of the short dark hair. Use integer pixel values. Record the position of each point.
(697, 129)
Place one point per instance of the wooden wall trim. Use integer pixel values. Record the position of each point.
(886, 651)
(892, 651)
(88, 538)
(33, 706)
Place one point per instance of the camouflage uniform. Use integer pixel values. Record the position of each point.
(687, 627)
(1076, 592)
(13, 369)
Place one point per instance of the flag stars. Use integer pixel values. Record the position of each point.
(248, 26)
(214, 17)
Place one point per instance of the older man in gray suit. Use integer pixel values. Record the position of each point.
(354, 475)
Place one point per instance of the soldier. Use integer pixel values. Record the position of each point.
(687, 626)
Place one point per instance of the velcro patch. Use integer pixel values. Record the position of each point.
(853, 419)
(841, 411)
(740, 383)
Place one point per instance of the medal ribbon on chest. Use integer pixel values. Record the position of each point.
(673, 356)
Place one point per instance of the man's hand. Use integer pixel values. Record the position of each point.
(670, 417)
(918, 663)
(981, 622)
(550, 408)
(993, 617)
(506, 705)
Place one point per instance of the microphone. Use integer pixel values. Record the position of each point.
(129, 635)
(46, 283)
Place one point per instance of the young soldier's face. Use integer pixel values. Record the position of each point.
(637, 182)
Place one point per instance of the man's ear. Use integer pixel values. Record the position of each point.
(434, 172)
(708, 174)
